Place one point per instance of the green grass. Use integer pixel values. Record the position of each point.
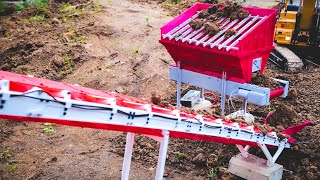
(68, 61)
(182, 155)
(5, 155)
(136, 50)
(10, 167)
(49, 128)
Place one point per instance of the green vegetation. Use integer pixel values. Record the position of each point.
(148, 21)
(20, 6)
(172, 2)
(5, 155)
(136, 50)
(68, 61)
(212, 173)
(49, 129)
(10, 167)
(182, 155)
(72, 36)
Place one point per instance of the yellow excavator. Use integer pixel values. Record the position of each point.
(297, 28)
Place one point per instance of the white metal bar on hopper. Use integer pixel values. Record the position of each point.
(219, 33)
(196, 37)
(180, 26)
(179, 32)
(207, 36)
(233, 36)
(244, 34)
(242, 29)
(237, 26)
(199, 35)
(184, 34)
(234, 48)
(192, 34)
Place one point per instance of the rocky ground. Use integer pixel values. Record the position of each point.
(113, 45)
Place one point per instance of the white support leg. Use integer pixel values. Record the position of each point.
(244, 151)
(271, 159)
(223, 94)
(162, 155)
(127, 156)
(244, 106)
(247, 148)
(202, 94)
(179, 84)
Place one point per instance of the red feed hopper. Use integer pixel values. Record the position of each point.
(213, 55)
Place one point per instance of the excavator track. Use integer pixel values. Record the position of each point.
(284, 58)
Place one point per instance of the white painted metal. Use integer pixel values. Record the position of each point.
(218, 34)
(271, 159)
(179, 33)
(242, 29)
(41, 105)
(256, 64)
(223, 31)
(244, 34)
(179, 85)
(197, 31)
(194, 39)
(183, 34)
(238, 25)
(162, 155)
(223, 94)
(243, 151)
(207, 36)
(180, 26)
(192, 34)
(127, 156)
(246, 148)
(254, 94)
(286, 86)
(235, 28)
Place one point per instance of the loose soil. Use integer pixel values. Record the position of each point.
(115, 47)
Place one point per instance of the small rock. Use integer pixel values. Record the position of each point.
(313, 169)
(200, 158)
(295, 148)
(305, 161)
(165, 174)
(155, 98)
(280, 128)
(310, 175)
(55, 21)
(120, 90)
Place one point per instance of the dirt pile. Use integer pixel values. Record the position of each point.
(230, 9)
(264, 81)
(29, 38)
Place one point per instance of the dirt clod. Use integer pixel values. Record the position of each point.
(203, 14)
(197, 24)
(230, 32)
(212, 10)
(155, 98)
(211, 28)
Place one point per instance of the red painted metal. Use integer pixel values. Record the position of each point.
(257, 42)
(22, 83)
(276, 93)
